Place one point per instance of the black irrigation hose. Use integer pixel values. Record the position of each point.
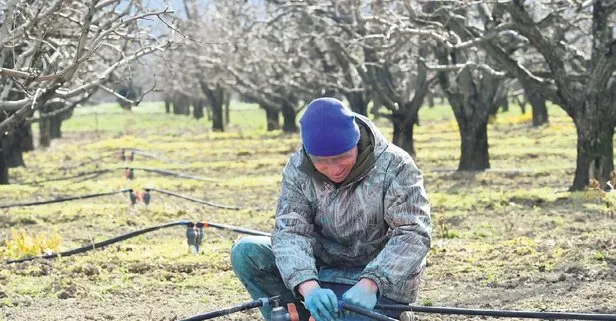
(103, 171)
(371, 314)
(126, 236)
(227, 311)
(170, 173)
(64, 199)
(151, 155)
(103, 156)
(399, 307)
(235, 208)
(96, 173)
(237, 229)
(100, 244)
(500, 313)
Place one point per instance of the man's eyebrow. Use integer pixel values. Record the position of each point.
(346, 154)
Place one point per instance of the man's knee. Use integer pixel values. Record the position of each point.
(251, 252)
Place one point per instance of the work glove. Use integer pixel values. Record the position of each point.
(322, 304)
(359, 295)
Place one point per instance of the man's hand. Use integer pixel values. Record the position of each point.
(362, 294)
(322, 303)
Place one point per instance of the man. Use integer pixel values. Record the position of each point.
(352, 223)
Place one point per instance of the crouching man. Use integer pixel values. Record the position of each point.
(352, 223)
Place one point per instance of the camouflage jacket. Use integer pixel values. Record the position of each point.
(377, 225)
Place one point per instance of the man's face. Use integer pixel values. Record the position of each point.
(336, 167)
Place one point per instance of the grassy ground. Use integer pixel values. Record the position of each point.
(509, 238)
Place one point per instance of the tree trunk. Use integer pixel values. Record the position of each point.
(376, 106)
(13, 154)
(4, 168)
(177, 107)
(187, 106)
(358, 103)
(227, 104)
(44, 132)
(218, 122)
(521, 102)
(474, 147)
(505, 104)
(181, 105)
(473, 99)
(216, 100)
(540, 112)
(403, 132)
(272, 116)
(28, 140)
(208, 111)
(595, 150)
(56, 126)
(288, 115)
(198, 109)
(430, 97)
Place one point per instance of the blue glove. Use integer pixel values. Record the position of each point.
(322, 304)
(360, 295)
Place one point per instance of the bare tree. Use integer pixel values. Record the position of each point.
(577, 43)
(365, 57)
(62, 50)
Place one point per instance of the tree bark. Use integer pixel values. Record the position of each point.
(44, 132)
(187, 103)
(198, 109)
(540, 112)
(404, 124)
(13, 150)
(430, 97)
(178, 107)
(473, 99)
(4, 168)
(359, 103)
(595, 150)
(376, 106)
(56, 126)
(218, 123)
(227, 104)
(272, 117)
(215, 97)
(288, 115)
(474, 147)
(28, 140)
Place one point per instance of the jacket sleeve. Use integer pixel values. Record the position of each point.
(293, 240)
(407, 212)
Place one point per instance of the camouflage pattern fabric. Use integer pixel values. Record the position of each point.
(376, 225)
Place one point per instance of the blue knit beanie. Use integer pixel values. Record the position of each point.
(328, 128)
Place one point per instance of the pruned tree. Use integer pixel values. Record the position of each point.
(577, 44)
(61, 51)
(366, 57)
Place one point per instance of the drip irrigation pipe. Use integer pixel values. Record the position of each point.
(64, 199)
(190, 228)
(96, 173)
(150, 155)
(226, 311)
(500, 313)
(196, 200)
(170, 173)
(101, 244)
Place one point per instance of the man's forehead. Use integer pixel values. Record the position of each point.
(343, 155)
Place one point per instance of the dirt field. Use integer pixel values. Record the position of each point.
(508, 238)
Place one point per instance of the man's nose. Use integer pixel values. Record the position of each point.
(333, 169)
